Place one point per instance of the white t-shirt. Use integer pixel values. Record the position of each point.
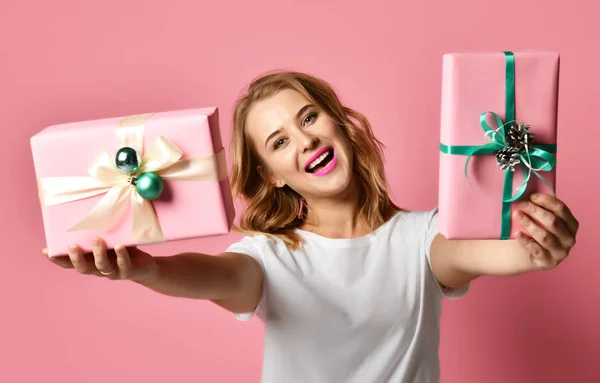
(359, 310)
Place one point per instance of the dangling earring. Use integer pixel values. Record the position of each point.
(301, 211)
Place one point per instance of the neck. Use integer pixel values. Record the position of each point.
(335, 217)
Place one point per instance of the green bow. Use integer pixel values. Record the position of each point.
(534, 159)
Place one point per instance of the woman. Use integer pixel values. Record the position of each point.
(348, 284)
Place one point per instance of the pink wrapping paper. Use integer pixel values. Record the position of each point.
(474, 83)
(186, 209)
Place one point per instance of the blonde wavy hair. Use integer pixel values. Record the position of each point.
(273, 211)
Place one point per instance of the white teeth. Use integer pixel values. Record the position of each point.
(318, 160)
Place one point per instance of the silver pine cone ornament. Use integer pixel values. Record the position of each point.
(508, 158)
(519, 136)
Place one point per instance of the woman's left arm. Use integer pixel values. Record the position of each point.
(551, 230)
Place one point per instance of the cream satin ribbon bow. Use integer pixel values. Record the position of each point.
(163, 158)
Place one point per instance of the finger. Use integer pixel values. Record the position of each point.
(542, 236)
(551, 222)
(559, 208)
(63, 261)
(123, 261)
(103, 264)
(78, 260)
(539, 257)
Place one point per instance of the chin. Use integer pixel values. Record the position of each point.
(331, 184)
(336, 185)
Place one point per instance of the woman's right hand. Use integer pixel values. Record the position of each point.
(118, 264)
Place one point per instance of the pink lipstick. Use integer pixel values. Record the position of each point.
(324, 160)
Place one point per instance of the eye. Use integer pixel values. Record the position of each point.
(279, 142)
(310, 118)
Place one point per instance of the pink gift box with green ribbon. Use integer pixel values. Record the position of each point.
(133, 180)
(497, 139)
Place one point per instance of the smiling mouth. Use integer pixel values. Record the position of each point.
(320, 162)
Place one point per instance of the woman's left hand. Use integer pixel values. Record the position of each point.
(551, 227)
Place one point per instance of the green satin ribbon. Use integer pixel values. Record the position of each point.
(538, 158)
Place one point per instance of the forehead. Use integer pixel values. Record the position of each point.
(273, 113)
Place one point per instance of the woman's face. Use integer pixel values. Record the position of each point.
(301, 146)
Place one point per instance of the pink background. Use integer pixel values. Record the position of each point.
(65, 61)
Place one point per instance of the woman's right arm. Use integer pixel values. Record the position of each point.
(231, 280)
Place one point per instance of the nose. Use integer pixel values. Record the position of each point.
(308, 141)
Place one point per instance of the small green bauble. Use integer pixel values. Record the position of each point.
(128, 160)
(149, 185)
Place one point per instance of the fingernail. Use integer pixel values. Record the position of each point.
(519, 215)
(96, 242)
(535, 196)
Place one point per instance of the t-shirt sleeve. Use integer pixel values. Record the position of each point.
(431, 232)
(252, 247)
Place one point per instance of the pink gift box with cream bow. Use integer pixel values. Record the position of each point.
(83, 194)
(523, 85)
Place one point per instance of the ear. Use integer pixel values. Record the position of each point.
(272, 180)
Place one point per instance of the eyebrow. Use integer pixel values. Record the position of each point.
(300, 112)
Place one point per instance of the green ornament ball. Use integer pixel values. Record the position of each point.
(149, 185)
(128, 160)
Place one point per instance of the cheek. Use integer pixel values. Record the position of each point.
(346, 143)
(283, 164)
